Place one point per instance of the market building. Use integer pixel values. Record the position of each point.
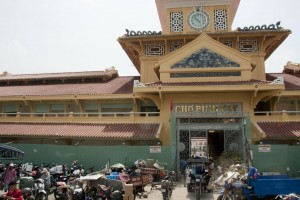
(202, 90)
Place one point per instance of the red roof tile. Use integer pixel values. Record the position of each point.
(54, 75)
(281, 130)
(291, 82)
(119, 85)
(251, 82)
(113, 131)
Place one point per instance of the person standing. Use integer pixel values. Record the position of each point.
(183, 165)
(9, 175)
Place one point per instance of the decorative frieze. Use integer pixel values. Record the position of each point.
(204, 58)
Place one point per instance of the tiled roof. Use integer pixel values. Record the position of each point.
(251, 82)
(291, 82)
(119, 85)
(112, 131)
(54, 75)
(281, 130)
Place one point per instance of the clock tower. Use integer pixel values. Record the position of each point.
(184, 17)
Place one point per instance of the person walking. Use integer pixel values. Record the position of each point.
(9, 175)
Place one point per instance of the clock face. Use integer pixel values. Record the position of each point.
(198, 20)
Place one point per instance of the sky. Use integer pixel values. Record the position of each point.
(49, 36)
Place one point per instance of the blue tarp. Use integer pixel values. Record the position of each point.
(10, 153)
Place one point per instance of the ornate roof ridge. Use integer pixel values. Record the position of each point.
(209, 82)
(106, 72)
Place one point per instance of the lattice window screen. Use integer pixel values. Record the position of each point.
(154, 49)
(176, 22)
(248, 45)
(228, 43)
(220, 19)
(175, 45)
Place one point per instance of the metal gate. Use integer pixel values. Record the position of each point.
(191, 130)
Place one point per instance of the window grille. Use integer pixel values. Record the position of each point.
(175, 45)
(220, 19)
(248, 46)
(154, 49)
(228, 43)
(176, 21)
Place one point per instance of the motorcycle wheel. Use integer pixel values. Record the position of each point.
(56, 195)
(221, 197)
(41, 196)
(165, 196)
(197, 194)
(170, 193)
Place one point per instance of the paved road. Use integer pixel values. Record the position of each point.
(180, 193)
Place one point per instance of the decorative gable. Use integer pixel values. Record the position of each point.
(204, 58)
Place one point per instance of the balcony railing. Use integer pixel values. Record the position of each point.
(276, 113)
(80, 114)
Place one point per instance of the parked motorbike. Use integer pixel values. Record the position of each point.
(39, 191)
(172, 178)
(77, 171)
(77, 193)
(27, 194)
(104, 192)
(61, 191)
(166, 189)
(232, 191)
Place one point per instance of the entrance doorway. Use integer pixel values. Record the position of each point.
(215, 140)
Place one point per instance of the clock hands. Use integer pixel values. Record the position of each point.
(198, 20)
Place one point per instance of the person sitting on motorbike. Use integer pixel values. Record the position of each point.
(209, 167)
(197, 170)
(13, 192)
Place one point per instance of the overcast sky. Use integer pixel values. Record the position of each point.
(41, 36)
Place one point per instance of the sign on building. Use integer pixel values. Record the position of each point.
(264, 148)
(155, 149)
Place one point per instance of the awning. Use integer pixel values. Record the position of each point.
(10, 153)
(108, 131)
(275, 130)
